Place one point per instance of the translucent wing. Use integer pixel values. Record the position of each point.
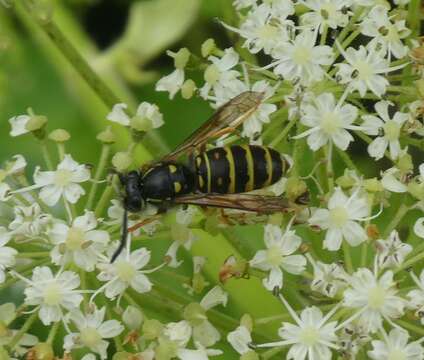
(225, 120)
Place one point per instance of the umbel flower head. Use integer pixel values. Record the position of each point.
(339, 272)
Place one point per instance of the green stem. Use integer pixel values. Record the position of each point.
(364, 253)
(410, 262)
(418, 329)
(25, 327)
(40, 254)
(69, 51)
(347, 257)
(347, 160)
(52, 333)
(104, 156)
(46, 156)
(401, 212)
(61, 150)
(104, 200)
(323, 38)
(272, 352)
(282, 135)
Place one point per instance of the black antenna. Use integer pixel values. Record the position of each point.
(123, 237)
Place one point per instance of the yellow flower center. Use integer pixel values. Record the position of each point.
(52, 294)
(62, 177)
(212, 74)
(376, 297)
(75, 239)
(274, 256)
(330, 123)
(365, 71)
(125, 271)
(328, 10)
(396, 354)
(338, 216)
(302, 55)
(309, 336)
(267, 32)
(391, 130)
(90, 337)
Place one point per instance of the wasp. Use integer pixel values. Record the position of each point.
(219, 177)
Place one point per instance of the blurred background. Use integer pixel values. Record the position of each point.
(125, 42)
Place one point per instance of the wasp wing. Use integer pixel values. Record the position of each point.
(228, 117)
(262, 204)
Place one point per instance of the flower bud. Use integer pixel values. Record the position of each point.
(250, 355)
(122, 160)
(247, 321)
(211, 74)
(132, 317)
(295, 188)
(373, 185)
(208, 47)
(188, 89)
(107, 136)
(36, 122)
(42, 351)
(416, 189)
(181, 58)
(404, 163)
(345, 181)
(166, 350)
(152, 329)
(59, 136)
(194, 314)
(141, 123)
(198, 283)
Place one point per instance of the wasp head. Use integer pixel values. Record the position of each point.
(133, 199)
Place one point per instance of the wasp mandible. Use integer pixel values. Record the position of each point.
(219, 177)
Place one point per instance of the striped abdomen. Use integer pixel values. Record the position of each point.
(238, 169)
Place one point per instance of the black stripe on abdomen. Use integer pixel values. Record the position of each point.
(219, 170)
(240, 168)
(259, 166)
(277, 165)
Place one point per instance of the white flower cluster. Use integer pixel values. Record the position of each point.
(345, 100)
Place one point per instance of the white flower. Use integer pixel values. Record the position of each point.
(29, 220)
(18, 124)
(126, 272)
(340, 219)
(390, 129)
(313, 337)
(391, 252)
(220, 74)
(80, 243)
(416, 296)
(7, 254)
(180, 332)
(419, 227)
(395, 346)
(375, 298)
(328, 121)
(132, 317)
(391, 180)
(4, 192)
(16, 166)
(202, 353)
(280, 9)
(328, 279)
(326, 13)
(241, 4)
(204, 332)
(364, 70)
(301, 60)
(278, 256)
(147, 116)
(171, 83)
(240, 339)
(62, 182)
(92, 329)
(252, 127)
(378, 25)
(52, 293)
(181, 234)
(262, 31)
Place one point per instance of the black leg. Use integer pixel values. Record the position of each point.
(123, 237)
